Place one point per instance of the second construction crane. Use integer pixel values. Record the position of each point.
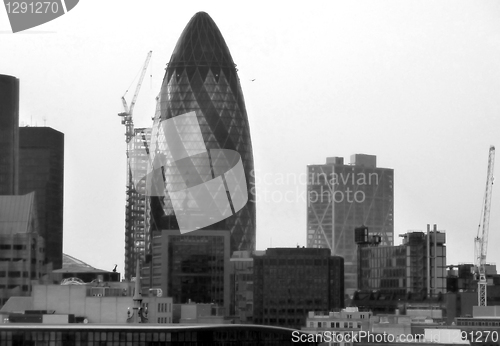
(127, 113)
(481, 241)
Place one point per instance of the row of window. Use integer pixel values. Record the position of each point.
(164, 307)
(23, 287)
(280, 321)
(313, 324)
(19, 247)
(15, 247)
(17, 274)
(478, 323)
(134, 338)
(17, 259)
(291, 261)
(295, 302)
(164, 320)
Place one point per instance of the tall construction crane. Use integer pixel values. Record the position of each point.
(127, 113)
(481, 241)
(130, 217)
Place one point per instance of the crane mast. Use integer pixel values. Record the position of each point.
(481, 241)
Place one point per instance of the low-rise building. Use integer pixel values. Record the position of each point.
(95, 303)
(346, 320)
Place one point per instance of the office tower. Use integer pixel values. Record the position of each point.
(416, 268)
(137, 212)
(342, 197)
(241, 273)
(22, 249)
(9, 134)
(191, 267)
(201, 77)
(41, 169)
(290, 282)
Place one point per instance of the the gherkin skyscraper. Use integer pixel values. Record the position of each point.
(201, 79)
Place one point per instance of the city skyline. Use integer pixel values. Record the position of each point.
(416, 85)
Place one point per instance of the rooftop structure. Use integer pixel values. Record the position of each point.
(75, 268)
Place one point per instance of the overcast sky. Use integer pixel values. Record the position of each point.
(416, 83)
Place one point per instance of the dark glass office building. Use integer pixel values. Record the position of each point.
(290, 282)
(201, 77)
(9, 134)
(190, 267)
(41, 169)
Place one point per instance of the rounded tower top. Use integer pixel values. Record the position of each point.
(201, 44)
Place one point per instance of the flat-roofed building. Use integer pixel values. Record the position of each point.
(290, 282)
(341, 197)
(41, 169)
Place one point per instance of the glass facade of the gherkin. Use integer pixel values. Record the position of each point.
(201, 77)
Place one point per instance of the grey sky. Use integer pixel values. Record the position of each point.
(416, 83)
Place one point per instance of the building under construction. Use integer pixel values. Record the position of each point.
(137, 216)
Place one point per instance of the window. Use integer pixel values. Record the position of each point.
(15, 274)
